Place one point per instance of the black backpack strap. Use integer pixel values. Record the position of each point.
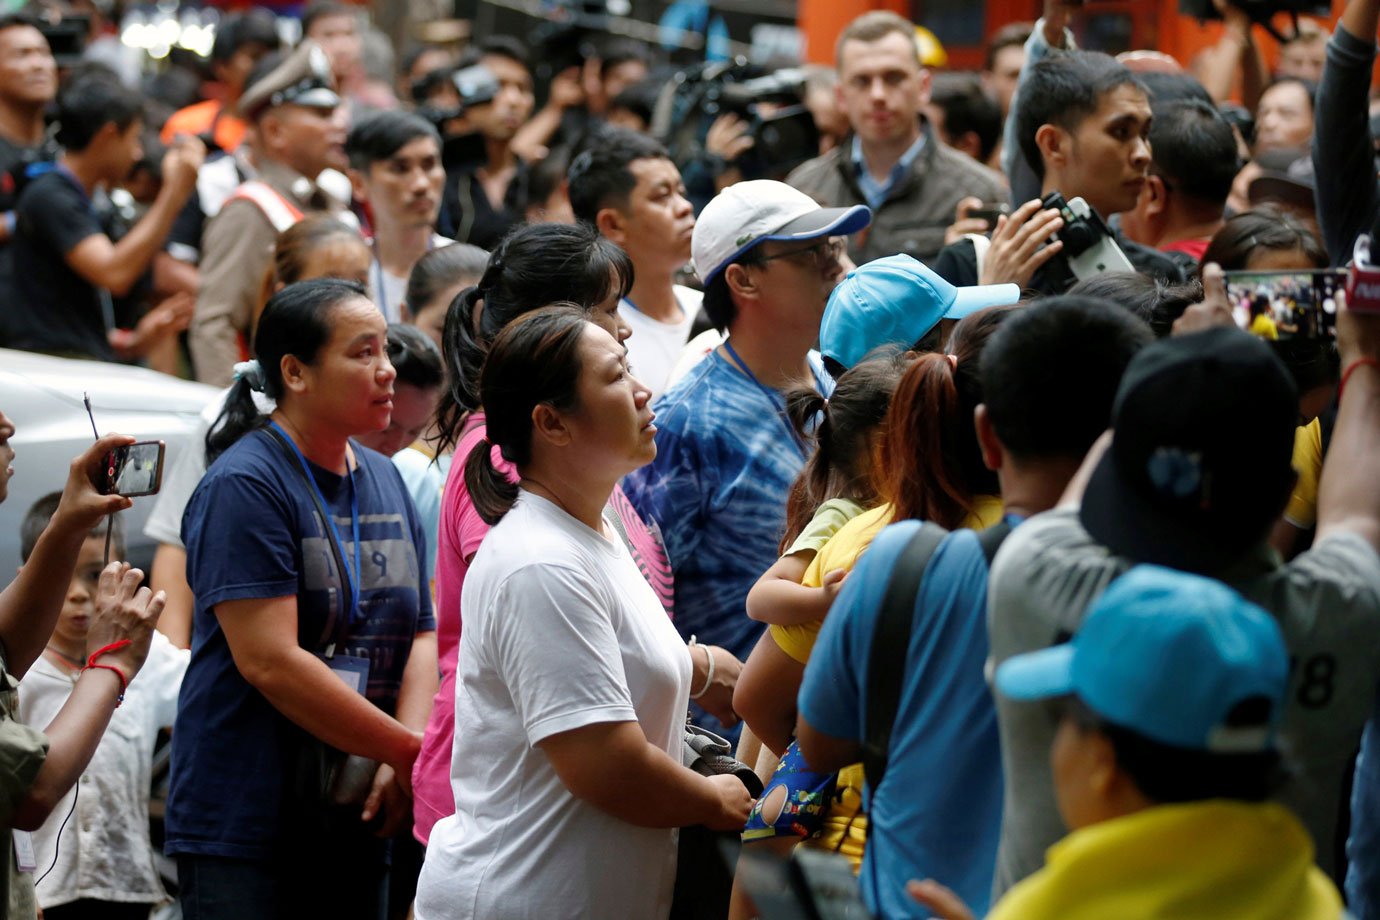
(337, 622)
(992, 538)
(890, 645)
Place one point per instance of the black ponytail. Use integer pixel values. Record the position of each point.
(533, 266)
(535, 361)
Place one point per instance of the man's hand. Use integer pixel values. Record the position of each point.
(387, 797)
(1237, 23)
(728, 137)
(1056, 16)
(1215, 309)
(1019, 245)
(180, 166)
(83, 506)
(566, 89)
(124, 611)
(1358, 333)
(942, 903)
(170, 317)
(718, 699)
(964, 224)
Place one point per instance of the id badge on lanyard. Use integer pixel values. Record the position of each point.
(352, 670)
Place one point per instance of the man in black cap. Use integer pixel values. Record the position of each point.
(299, 132)
(1196, 472)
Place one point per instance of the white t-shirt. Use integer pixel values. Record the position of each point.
(183, 474)
(105, 853)
(561, 631)
(387, 290)
(655, 346)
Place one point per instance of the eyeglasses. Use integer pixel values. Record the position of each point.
(826, 254)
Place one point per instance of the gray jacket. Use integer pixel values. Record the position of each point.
(920, 207)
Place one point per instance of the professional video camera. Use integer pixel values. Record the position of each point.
(772, 103)
(567, 38)
(1261, 12)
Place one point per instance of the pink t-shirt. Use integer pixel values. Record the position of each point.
(461, 531)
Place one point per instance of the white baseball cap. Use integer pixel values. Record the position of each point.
(746, 213)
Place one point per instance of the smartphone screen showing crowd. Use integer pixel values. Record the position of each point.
(135, 469)
(1286, 305)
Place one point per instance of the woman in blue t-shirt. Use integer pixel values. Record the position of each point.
(312, 635)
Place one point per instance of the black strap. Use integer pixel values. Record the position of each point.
(992, 538)
(891, 640)
(890, 645)
(336, 624)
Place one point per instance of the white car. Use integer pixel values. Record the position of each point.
(42, 395)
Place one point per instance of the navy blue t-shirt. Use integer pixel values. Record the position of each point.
(252, 531)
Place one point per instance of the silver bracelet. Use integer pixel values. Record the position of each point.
(709, 676)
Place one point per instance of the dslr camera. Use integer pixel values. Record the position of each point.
(1089, 246)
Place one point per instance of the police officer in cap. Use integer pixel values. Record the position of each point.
(298, 129)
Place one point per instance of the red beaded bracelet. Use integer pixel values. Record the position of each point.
(1350, 369)
(91, 664)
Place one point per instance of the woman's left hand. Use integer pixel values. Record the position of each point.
(388, 799)
(718, 699)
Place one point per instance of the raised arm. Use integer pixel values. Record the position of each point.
(117, 266)
(29, 605)
(1343, 150)
(1349, 493)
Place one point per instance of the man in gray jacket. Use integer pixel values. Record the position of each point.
(893, 162)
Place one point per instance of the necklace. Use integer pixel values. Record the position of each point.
(67, 659)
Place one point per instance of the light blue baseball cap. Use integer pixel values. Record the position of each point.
(1169, 656)
(894, 301)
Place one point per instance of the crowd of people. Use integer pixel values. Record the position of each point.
(949, 509)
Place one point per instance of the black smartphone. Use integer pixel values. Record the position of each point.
(1286, 304)
(134, 469)
(990, 212)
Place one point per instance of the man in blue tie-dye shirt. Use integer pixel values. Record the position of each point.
(769, 256)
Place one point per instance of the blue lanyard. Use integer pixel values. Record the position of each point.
(350, 578)
(775, 398)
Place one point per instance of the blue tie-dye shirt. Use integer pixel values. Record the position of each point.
(726, 458)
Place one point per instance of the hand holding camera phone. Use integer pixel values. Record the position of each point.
(131, 470)
(134, 470)
(1089, 246)
(1281, 305)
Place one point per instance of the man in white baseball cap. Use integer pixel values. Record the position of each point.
(769, 257)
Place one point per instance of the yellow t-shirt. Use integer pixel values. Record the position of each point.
(842, 552)
(844, 829)
(1204, 860)
(1264, 327)
(1302, 510)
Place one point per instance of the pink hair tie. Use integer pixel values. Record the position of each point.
(953, 361)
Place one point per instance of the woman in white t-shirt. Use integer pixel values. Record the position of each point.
(573, 684)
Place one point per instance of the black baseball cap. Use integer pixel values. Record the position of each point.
(1201, 457)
